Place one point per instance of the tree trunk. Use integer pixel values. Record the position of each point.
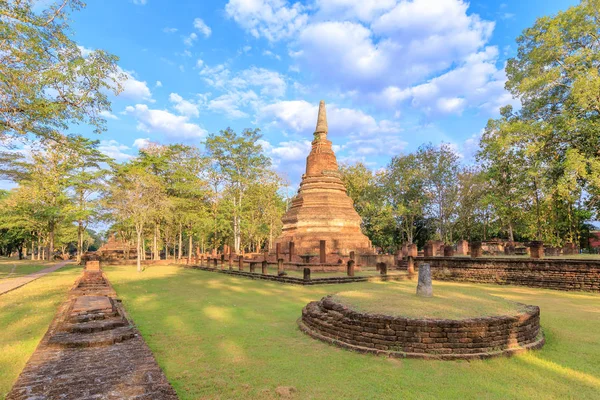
(51, 243)
(32, 250)
(156, 255)
(79, 241)
(180, 243)
(139, 249)
(190, 249)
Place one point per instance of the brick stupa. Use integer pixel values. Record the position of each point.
(322, 210)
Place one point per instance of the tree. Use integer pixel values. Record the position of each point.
(441, 173)
(367, 192)
(135, 195)
(47, 81)
(240, 161)
(404, 182)
(556, 76)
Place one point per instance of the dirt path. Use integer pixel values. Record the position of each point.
(15, 283)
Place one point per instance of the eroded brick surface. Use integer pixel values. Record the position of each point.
(92, 351)
(484, 337)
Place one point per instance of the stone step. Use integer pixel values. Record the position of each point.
(80, 318)
(96, 326)
(95, 339)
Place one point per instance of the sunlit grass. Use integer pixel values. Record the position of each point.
(224, 337)
(449, 301)
(13, 268)
(25, 314)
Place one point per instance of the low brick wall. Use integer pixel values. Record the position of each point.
(300, 281)
(475, 338)
(547, 273)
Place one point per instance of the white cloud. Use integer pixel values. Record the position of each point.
(169, 30)
(301, 116)
(385, 51)
(271, 83)
(231, 103)
(202, 27)
(114, 149)
(134, 89)
(272, 19)
(189, 40)
(364, 10)
(140, 143)
(158, 84)
(140, 2)
(173, 126)
(108, 114)
(269, 53)
(184, 107)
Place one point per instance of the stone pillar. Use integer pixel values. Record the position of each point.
(264, 267)
(291, 251)
(307, 274)
(475, 249)
(424, 288)
(230, 261)
(537, 249)
(383, 268)
(404, 251)
(353, 256)
(196, 259)
(252, 266)
(350, 268)
(215, 262)
(222, 261)
(428, 250)
(412, 250)
(448, 251)
(266, 256)
(279, 266)
(241, 263)
(462, 248)
(411, 266)
(322, 251)
(277, 251)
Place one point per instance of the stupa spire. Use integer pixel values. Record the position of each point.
(321, 129)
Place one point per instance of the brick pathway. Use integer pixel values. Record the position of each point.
(15, 283)
(92, 351)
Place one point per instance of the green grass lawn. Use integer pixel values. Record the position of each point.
(25, 314)
(13, 268)
(449, 301)
(223, 337)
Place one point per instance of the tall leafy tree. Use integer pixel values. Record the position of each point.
(240, 161)
(47, 81)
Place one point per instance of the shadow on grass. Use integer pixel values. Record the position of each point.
(218, 336)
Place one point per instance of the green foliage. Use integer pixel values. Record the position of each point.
(47, 81)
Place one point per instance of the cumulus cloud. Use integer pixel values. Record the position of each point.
(202, 27)
(387, 51)
(272, 19)
(271, 83)
(162, 121)
(133, 88)
(301, 116)
(231, 103)
(108, 115)
(184, 107)
(140, 143)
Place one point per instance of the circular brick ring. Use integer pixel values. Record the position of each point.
(445, 339)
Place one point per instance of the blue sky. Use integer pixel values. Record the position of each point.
(394, 73)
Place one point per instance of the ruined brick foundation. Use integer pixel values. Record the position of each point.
(474, 338)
